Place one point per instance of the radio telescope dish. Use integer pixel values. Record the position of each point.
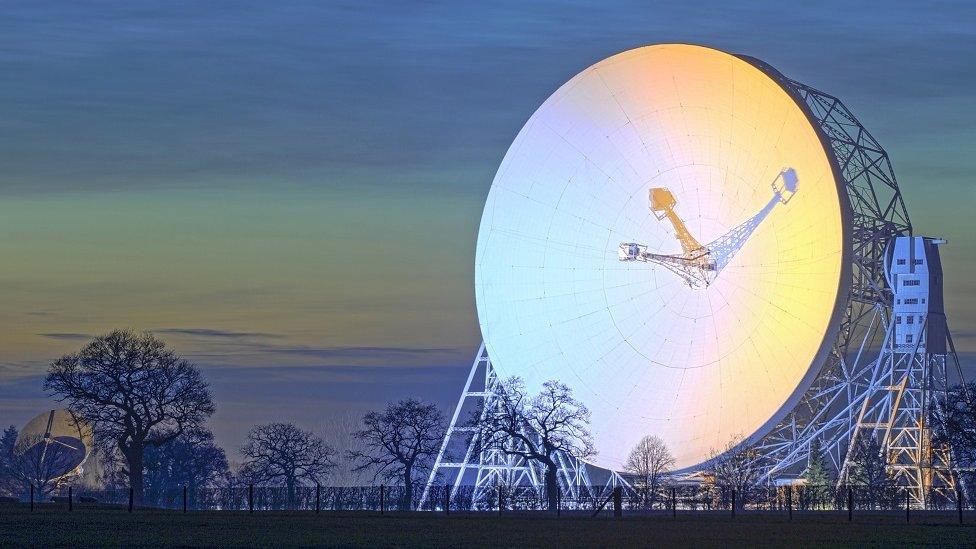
(58, 442)
(667, 236)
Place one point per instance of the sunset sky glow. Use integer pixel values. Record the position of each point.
(290, 193)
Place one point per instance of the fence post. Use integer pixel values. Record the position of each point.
(250, 498)
(69, 499)
(959, 501)
(789, 499)
(674, 503)
(382, 499)
(500, 502)
(733, 503)
(559, 501)
(618, 494)
(184, 497)
(32, 496)
(908, 507)
(318, 497)
(447, 499)
(850, 504)
(130, 498)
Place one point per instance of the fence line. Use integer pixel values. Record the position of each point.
(667, 498)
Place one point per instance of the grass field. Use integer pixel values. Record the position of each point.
(51, 525)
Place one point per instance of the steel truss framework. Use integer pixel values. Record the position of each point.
(867, 386)
(490, 468)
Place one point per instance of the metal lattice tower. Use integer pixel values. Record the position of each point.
(912, 363)
(867, 384)
(461, 461)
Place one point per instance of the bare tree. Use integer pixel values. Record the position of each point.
(537, 428)
(736, 468)
(954, 432)
(399, 442)
(107, 468)
(283, 453)
(649, 462)
(954, 425)
(134, 391)
(192, 460)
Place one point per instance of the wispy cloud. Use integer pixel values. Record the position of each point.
(232, 348)
(214, 333)
(236, 351)
(67, 336)
(354, 352)
(331, 373)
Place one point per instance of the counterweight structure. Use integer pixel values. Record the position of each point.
(899, 408)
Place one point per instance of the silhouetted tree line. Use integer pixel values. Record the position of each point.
(148, 409)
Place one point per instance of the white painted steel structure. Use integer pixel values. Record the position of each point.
(712, 169)
(492, 469)
(591, 270)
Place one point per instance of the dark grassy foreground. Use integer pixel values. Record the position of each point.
(87, 526)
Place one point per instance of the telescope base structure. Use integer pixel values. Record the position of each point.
(890, 398)
(888, 393)
(876, 381)
(461, 461)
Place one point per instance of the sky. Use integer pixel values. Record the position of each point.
(289, 193)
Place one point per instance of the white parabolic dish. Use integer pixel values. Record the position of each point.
(649, 351)
(58, 440)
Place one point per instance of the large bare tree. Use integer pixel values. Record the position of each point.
(649, 462)
(537, 428)
(134, 391)
(399, 442)
(283, 453)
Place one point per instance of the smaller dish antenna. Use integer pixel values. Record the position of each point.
(58, 442)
